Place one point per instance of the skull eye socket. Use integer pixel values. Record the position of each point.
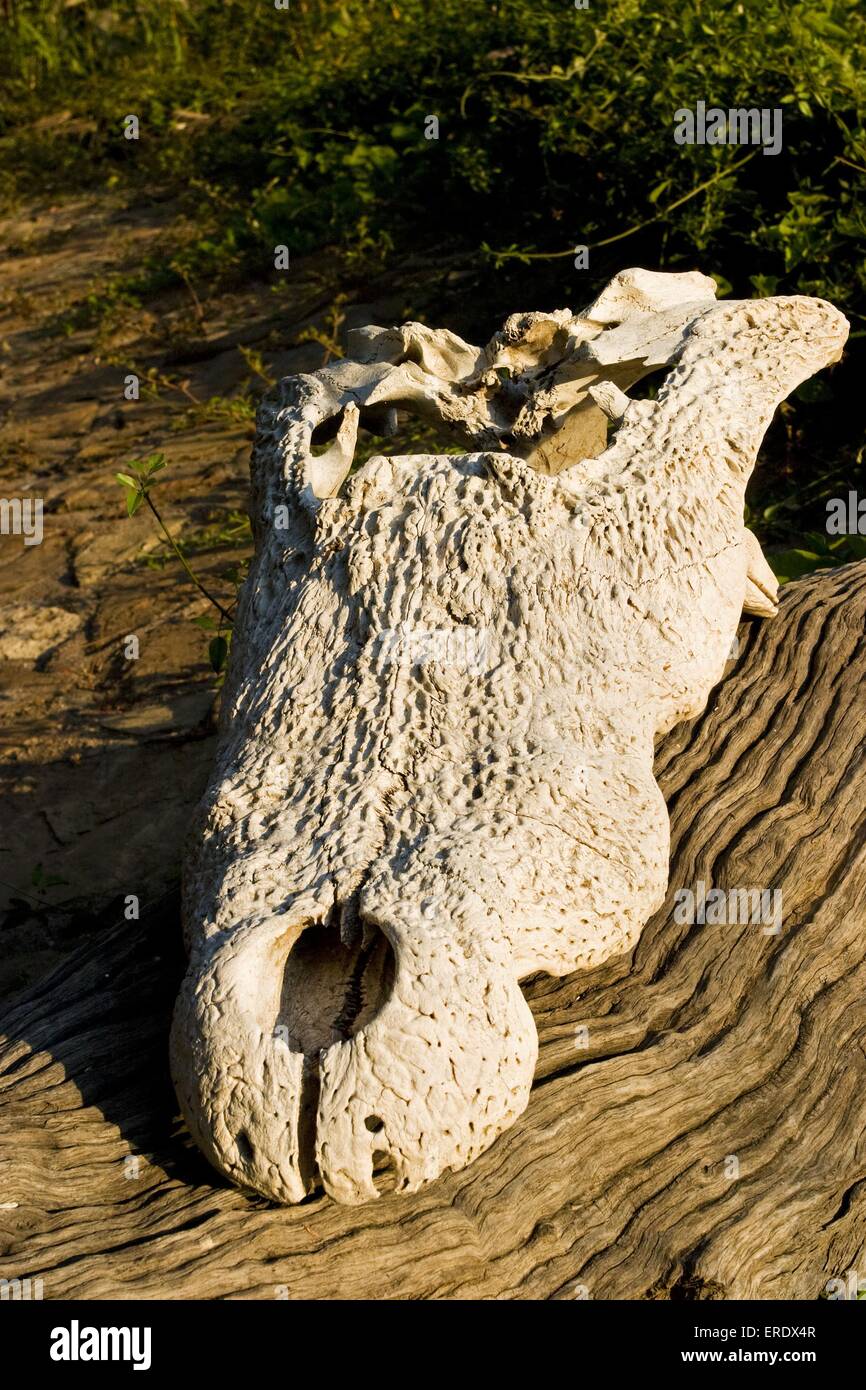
(325, 433)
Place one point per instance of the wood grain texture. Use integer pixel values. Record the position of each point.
(710, 1042)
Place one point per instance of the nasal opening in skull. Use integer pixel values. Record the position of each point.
(339, 974)
(336, 979)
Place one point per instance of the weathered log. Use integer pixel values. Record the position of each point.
(697, 1126)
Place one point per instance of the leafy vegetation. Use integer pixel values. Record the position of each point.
(306, 126)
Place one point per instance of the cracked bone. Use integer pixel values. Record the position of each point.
(435, 769)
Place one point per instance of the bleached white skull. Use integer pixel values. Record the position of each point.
(435, 769)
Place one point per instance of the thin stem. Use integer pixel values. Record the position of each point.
(849, 164)
(199, 311)
(39, 902)
(196, 581)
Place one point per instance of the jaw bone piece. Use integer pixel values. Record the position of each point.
(435, 769)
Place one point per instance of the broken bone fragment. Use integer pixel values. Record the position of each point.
(611, 400)
(762, 587)
(434, 774)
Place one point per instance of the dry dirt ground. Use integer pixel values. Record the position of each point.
(102, 756)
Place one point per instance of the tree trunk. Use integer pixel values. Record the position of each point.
(698, 1123)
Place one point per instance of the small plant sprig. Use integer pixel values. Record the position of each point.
(138, 485)
(328, 337)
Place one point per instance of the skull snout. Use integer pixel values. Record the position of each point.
(352, 1052)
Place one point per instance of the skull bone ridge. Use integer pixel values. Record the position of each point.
(435, 769)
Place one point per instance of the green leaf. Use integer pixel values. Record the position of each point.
(218, 650)
(126, 481)
(816, 391)
(769, 512)
(133, 502)
(659, 190)
(764, 285)
(793, 564)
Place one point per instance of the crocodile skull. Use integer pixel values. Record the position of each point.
(435, 769)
